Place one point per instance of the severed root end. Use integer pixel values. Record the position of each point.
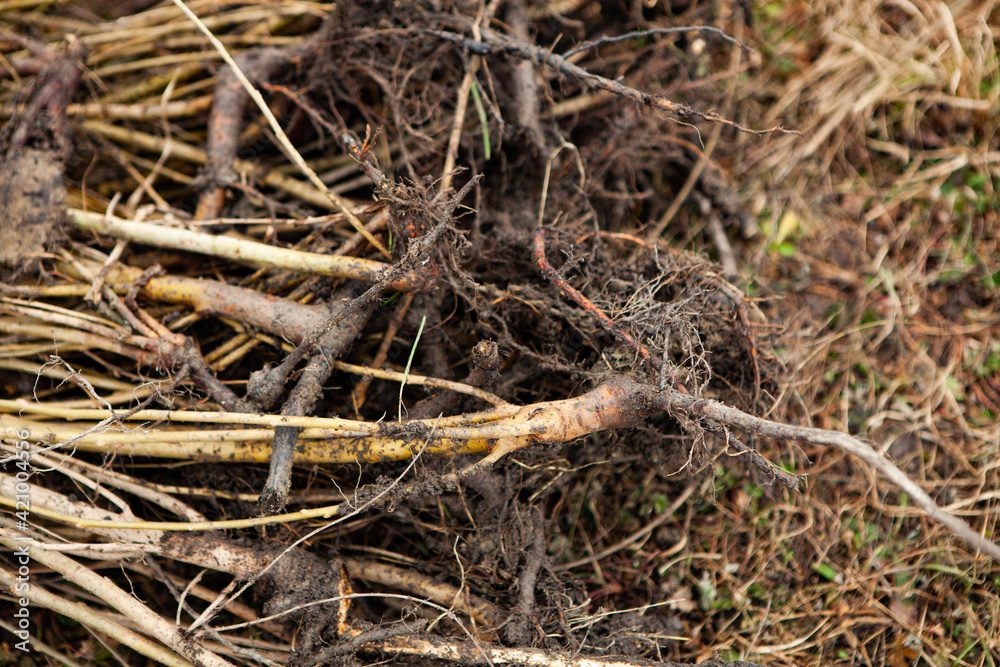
(272, 501)
(279, 480)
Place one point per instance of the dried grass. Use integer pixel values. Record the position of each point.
(889, 285)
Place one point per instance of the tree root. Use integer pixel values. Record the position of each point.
(465, 654)
(618, 402)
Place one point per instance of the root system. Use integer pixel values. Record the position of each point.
(330, 330)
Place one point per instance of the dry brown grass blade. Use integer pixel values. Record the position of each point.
(93, 619)
(237, 249)
(101, 587)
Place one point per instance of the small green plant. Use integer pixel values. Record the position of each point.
(971, 191)
(827, 571)
(657, 503)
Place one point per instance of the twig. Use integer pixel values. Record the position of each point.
(706, 155)
(617, 403)
(280, 133)
(418, 250)
(454, 651)
(727, 258)
(484, 373)
(411, 581)
(94, 292)
(534, 557)
(461, 102)
(301, 402)
(637, 34)
(346, 510)
(241, 250)
(409, 362)
(494, 42)
(184, 151)
(133, 485)
(228, 103)
(486, 13)
(525, 88)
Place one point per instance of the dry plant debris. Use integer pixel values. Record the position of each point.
(442, 267)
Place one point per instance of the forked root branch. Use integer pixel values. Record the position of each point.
(618, 402)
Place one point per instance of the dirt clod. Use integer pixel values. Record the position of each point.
(32, 204)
